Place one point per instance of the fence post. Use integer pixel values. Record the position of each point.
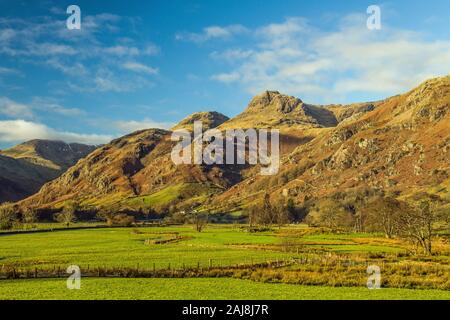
(210, 263)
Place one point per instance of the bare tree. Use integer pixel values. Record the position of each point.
(29, 216)
(199, 221)
(8, 216)
(417, 225)
(383, 213)
(67, 215)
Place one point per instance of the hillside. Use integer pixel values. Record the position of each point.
(134, 171)
(398, 145)
(401, 146)
(26, 167)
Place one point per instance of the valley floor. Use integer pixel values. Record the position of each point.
(199, 289)
(222, 262)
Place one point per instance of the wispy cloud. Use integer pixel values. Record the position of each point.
(322, 66)
(12, 131)
(212, 32)
(12, 108)
(7, 71)
(139, 68)
(53, 106)
(132, 125)
(81, 55)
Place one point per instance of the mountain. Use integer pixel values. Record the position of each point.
(134, 171)
(27, 166)
(400, 145)
(209, 120)
(272, 109)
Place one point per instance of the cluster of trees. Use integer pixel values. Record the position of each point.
(197, 219)
(115, 219)
(268, 213)
(11, 216)
(415, 221)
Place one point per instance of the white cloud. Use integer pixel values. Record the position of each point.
(105, 80)
(11, 108)
(151, 50)
(81, 55)
(21, 130)
(232, 55)
(227, 77)
(51, 105)
(318, 66)
(120, 50)
(139, 68)
(212, 32)
(8, 71)
(132, 125)
(73, 69)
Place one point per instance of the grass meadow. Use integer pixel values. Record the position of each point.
(221, 262)
(199, 289)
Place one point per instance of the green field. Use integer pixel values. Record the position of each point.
(331, 265)
(198, 289)
(126, 247)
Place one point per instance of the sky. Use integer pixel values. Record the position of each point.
(143, 64)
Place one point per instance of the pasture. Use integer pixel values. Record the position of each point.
(291, 262)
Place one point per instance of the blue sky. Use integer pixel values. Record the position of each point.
(140, 64)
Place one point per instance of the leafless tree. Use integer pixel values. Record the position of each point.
(8, 216)
(67, 215)
(416, 223)
(29, 216)
(200, 221)
(383, 213)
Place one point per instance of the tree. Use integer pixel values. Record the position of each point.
(29, 216)
(383, 213)
(106, 215)
(331, 214)
(416, 224)
(67, 215)
(123, 220)
(284, 212)
(8, 216)
(199, 221)
(269, 213)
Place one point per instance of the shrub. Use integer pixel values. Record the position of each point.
(8, 216)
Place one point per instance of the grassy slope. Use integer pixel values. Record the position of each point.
(224, 244)
(123, 247)
(217, 289)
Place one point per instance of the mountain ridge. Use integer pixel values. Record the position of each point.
(26, 167)
(324, 152)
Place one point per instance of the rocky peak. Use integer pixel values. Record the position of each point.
(209, 119)
(274, 101)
